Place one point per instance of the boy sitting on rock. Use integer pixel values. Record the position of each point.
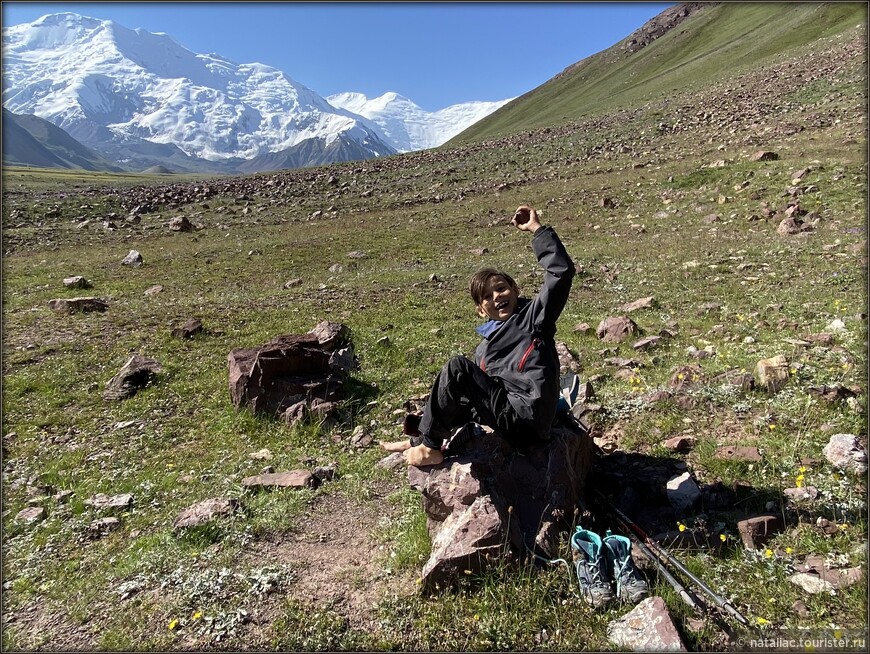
(513, 384)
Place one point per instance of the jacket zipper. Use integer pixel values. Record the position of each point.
(527, 353)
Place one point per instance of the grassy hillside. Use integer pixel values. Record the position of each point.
(660, 199)
(716, 43)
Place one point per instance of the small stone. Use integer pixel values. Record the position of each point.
(103, 501)
(647, 627)
(738, 453)
(757, 530)
(261, 455)
(153, 290)
(78, 305)
(811, 583)
(680, 443)
(76, 281)
(802, 493)
(205, 511)
(30, 515)
(844, 451)
(772, 373)
(133, 259)
(682, 491)
(102, 526)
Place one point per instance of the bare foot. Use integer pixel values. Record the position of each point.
(396, 446)
(420, 455)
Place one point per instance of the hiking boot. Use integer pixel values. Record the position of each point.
(630, 586)
(591, 567)
(460, 437)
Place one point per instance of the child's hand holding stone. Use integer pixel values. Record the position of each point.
(526, 219)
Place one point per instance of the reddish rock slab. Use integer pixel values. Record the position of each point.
(289, 369)
(78, 305)
(738, 453)
(529, 500)
(648, 627)
(291, 479)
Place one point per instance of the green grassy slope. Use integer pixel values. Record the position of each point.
(707, 47)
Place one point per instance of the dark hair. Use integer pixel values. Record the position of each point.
(477, 285)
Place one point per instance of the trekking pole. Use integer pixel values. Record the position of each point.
(687, 595)
(631, 526)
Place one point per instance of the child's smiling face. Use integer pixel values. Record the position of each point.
(499, 299)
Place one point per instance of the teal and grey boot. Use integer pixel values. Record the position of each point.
(591, 567)
(630, 586)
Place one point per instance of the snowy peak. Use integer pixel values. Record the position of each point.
(408, 126)
(114, 88)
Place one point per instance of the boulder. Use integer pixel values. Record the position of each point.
(289, 369)
(136, 374)
(491, 502)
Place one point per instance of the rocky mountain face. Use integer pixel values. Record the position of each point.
(661, 24)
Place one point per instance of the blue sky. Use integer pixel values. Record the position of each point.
(436, 54)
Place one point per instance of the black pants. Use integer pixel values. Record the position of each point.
(463, 393)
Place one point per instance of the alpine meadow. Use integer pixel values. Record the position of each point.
(707, 175)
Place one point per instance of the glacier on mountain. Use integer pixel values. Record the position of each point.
(108, 86)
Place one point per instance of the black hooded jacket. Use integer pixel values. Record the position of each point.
(521, 351)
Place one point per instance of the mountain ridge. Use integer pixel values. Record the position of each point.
(138, 90)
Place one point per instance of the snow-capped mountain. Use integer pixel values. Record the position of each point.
(141, 98)
(407, 126)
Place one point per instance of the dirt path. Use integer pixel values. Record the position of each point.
(338, 560)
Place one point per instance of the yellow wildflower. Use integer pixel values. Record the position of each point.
(476, 616)
(788, 550)
(763, 621)
(768, 553)
(197, 615)
(681, 526)
(771, 427)
(723, 537)
(173, 624)
(802, 469)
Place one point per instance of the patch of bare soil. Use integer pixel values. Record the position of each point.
(338, 561)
